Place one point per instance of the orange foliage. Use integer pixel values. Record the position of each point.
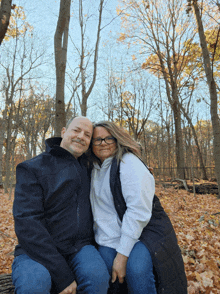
(196, 224)
(7, 235)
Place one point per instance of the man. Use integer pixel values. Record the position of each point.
(53, 219)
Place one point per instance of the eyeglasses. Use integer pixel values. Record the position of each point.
(108, 140)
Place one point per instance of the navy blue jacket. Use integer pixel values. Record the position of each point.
(160, 239)
(52, 213)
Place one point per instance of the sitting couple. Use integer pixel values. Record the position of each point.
(57, 214)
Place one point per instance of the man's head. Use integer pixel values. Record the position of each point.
(77, 136)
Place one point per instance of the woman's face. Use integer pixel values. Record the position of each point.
(103, 150)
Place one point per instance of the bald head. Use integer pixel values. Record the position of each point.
(77, 135)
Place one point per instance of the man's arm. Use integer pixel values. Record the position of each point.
(28, 210)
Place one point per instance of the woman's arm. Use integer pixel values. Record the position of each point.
(138, 188)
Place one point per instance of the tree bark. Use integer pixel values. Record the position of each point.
(5, 13)
(212, 91)
(60, 48)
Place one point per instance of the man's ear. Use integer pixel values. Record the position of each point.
(63, 132)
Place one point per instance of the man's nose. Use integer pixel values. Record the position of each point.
(80, 135)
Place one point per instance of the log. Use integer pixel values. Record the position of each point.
(6, 286)
(205, 188)
(183, 183)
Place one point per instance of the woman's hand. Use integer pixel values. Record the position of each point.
(119, 268)
(71, 289)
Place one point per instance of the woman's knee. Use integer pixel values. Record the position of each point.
(108, 255)
(90, 270)
(139, 261)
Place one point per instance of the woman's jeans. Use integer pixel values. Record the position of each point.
(139, 271)
(30, 277)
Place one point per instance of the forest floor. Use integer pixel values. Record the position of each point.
(196, 220)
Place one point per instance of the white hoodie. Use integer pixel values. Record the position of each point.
(138, 188)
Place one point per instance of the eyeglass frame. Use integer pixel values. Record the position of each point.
(103, 139)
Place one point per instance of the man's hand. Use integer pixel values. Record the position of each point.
(71, 289)
(119, 268)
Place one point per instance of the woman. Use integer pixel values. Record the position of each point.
(134, 235)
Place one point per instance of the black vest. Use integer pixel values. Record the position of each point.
(160, 239)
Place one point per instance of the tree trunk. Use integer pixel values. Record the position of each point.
(179, 141)
(8, 150)
(60, 48)
(204, 175)
(212, 91)
(5, 13)
(1, 146)
(172, 96)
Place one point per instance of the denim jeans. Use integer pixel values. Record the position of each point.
(139, 271)
(30, 277)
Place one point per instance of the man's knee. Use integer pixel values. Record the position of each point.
(28, 276)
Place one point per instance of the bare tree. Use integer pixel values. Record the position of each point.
(5, 13)
(212, 90)
(20, 60)
(86, 93)
(60, 48)
(36, 118)
(85, 74)
(137, 106)
(162, 30)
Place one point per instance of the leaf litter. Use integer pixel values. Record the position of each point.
(196, 221)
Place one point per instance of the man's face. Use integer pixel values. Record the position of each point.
(76, 138)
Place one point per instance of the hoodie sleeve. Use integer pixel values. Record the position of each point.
(138, 188)
(33, 237)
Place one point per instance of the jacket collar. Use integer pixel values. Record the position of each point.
(53, 147)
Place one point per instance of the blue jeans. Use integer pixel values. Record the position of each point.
(139, 271)
(30, 277)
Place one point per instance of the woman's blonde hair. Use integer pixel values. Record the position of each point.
(125, 143)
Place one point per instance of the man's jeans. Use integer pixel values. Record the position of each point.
(139, 271)
(30, 277)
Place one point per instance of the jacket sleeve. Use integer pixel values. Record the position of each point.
(35, 240)
(138, 188)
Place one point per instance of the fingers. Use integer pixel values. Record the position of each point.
(121, 279)
(119, 268)
(114, 276)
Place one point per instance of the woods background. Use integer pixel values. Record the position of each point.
(151, 66)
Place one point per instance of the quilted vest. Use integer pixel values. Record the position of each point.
(160, 239)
